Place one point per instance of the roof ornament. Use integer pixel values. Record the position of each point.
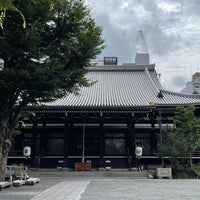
(160, 94)
(152, 103)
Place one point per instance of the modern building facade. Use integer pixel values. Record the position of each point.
(193, 87)
(125, 103)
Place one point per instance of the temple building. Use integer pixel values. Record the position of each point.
(126, 103)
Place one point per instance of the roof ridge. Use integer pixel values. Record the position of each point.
(151, 80)
(133, 67)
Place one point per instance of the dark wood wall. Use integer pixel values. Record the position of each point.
(55, 136)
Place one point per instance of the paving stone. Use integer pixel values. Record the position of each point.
(70, 185)
(67, 190)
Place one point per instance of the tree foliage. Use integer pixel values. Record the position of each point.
(45, 59)
(8, 5)
(184, 138)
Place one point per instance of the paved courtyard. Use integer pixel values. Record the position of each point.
(142, 190)
(100, 186)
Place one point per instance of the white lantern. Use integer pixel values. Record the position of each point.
(138, 151)
(27, 151)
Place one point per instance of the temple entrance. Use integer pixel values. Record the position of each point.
(84, 143)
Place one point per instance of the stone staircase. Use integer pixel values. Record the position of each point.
(112, 173)
(134, 174)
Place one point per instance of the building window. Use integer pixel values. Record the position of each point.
(110, 60)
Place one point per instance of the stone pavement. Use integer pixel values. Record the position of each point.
(142, 189)
(63, 191)
(102, 185)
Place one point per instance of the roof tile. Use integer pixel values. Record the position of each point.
(123, 86)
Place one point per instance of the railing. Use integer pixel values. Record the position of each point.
(15, 170)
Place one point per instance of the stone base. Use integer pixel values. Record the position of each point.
(164, 173)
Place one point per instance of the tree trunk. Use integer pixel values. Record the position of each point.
(190, 158)
(5, 145)
(3, 164)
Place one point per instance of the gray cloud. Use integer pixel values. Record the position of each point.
(170, 27)
(179, 81)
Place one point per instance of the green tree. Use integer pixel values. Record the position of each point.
(8, 5)
(184, 138)
(44, 60)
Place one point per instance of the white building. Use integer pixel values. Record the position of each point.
(193, 87)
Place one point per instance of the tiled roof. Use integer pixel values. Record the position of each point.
(122, 87)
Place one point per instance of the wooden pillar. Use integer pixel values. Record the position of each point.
(153, 141)
(43, 138)
(161, 136)
(101, 142)
(132, 139)
(132, 142)
(128, 144)
(34, 143)
(66, 141)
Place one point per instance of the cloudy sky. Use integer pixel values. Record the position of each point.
(171, 29)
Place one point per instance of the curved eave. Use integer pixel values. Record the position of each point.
(105, 109)
(175, 99)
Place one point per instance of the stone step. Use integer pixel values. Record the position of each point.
(91, 174)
